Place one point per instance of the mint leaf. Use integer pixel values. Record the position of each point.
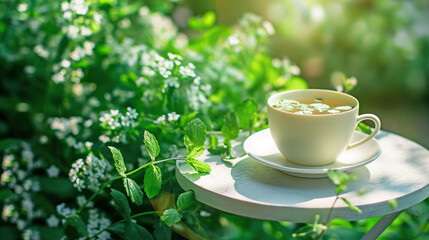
(198, 166)
(152, 145)
(354, 208)
(364, 128)
(161, 231)
(119, 161)
(196, 132)
(134, 231)
(133, 191)
(186, 200)
(192, 151)
(121, 203)
(171, 216)
(230, 128)
(194, 138)
(152, 181)
(74, 226)
(247, 113)
(214, 148)
(213, 142)
(338, 177)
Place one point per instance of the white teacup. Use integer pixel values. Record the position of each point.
(316, 139)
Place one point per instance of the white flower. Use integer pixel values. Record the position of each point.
(88, 174)
(81, 200)
(63, 210)
(52, 221)
(160, 119)
(65, 63)
(96, 222)
(268, 27)
(173, 116)
(8, 210)
(187, 71)
(132, 113)
(31, 234)
(104, 138)
(8, 161)
(53, 171)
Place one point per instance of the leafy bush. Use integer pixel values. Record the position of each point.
(81, 76)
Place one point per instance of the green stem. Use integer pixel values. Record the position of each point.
(96, 193)
(119, 177)
(121, 221)
(328, 218)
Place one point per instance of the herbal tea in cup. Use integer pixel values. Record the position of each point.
(314, 127)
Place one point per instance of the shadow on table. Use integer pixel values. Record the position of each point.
(258, 182)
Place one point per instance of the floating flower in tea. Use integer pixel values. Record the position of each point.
(312, 106)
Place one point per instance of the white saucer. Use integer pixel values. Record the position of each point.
(261, 147)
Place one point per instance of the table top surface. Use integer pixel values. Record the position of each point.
(396, 180)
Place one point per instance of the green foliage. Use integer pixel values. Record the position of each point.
(75, 227)
(340, 179)
(200, 167)
(133, 191)
(194, 141)
(152, 180)
(230, 131)
(313, 231)
(152, 145)
(135, 231)
(194, 138)
(247, 113)
(207, 20)
(119, 161)
(121, 203)
(186, 200)
(171, 216)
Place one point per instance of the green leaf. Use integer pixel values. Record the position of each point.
(354, 208)
(152, 145)
(339, 177)
(214, 148)
(213, 142)
(247, 113)
(152, 181)
(206, 21)
(74, 226)
(133, 191)
(161, 231)
(171, 216)
(119, 161)
(134, 231)
(393, 203)
(196, 132)
(231, 127)
(121, 203)
(194, 138)
(198, 166)
(186, 200)
(192, 151)
(60, 187)
(5, 193)
(9, 142)
(364, 128)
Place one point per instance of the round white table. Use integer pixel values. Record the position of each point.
(245, 187)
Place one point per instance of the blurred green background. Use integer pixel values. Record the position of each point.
(383, 43)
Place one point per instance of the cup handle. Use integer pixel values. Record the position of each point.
(377, 126)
